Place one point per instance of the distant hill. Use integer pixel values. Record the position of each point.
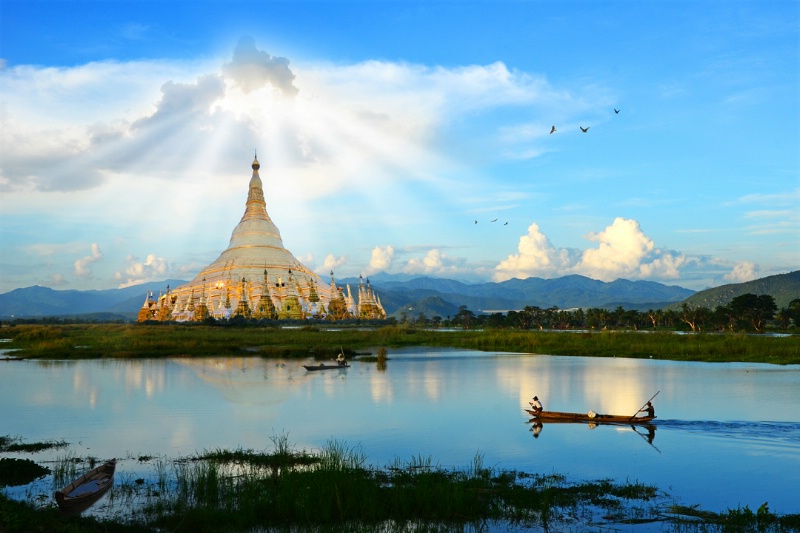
(398, 294)
(783, 288)
(414, 295)
(37, 301)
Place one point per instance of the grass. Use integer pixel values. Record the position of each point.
(143, 340)
(16, 472)
(336, 490)
(14, 444)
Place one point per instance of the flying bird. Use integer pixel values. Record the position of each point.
(616, 111)
(552, 130)
(495, 220)
(506, 224)
(476, 221)
(584, 130)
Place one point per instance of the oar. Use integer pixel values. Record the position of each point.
(642, 407)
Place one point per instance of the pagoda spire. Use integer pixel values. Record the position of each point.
(256, 207)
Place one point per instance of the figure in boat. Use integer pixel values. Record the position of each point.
(536, 405)
(649, 409)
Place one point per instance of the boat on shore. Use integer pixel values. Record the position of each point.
(322, 366)
(556, 416)
(87, 489)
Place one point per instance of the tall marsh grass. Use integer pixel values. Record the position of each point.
(223, 490)
(141, 340)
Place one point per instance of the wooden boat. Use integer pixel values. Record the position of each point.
(323, 366)
(88, 488)
(555, 416)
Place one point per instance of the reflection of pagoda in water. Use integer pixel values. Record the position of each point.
(256, 277)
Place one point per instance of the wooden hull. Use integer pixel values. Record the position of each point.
(312, 368)
(555, 416)
(88, 488)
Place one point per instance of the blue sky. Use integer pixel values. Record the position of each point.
(402, 137)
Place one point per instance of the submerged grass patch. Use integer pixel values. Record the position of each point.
(15, 444)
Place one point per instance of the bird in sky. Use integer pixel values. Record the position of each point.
(476, 221)
(552, 130)
(506, 224)
(495, 220)
(584, 130)
(616, 111)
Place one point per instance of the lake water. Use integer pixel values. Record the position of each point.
(728, 435)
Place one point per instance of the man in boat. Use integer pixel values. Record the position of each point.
(536, 405)
(341, 360)
(649, 409)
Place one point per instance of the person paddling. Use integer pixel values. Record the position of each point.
(649, 409)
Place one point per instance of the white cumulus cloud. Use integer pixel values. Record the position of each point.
(331, 263)
(622, 251)
(434, 262)
(381, 259)
(153, 268)
(536, 257)
(742, 271)
(83, 266)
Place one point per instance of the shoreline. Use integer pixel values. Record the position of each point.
(91, 341)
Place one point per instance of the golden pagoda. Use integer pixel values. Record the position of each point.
(257, 277)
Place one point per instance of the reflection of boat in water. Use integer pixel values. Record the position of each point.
(323, 366)
(87, 489)
(538, 423)
(556, 416)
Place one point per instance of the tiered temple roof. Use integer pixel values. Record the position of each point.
(257, 277)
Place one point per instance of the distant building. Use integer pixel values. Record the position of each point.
(256, 277)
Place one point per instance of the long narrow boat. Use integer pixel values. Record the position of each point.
(88, 488)
(321, 366)
(555, 416)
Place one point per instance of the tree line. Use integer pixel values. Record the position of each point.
(745, 313)
(748, 312)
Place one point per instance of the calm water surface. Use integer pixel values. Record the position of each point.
(728, 435)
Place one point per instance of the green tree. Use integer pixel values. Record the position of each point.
(464, 317)
(754, 309)
(694, 317)
(794, 311)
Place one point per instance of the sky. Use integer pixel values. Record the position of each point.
(401, 137)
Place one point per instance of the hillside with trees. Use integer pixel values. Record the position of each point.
(783, 288)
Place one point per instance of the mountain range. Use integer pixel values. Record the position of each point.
(398, 294)
(411, 296)
(442, 297)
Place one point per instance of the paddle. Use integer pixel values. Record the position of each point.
(642, 407)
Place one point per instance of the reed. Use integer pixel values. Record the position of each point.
(65, 469)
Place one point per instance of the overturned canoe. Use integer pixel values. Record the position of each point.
(88, 488)
(555, 416)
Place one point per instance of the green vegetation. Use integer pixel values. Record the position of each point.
(15, 472)
(334, 490)
(78, 341)
(15, 444)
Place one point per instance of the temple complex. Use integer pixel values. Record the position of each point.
(256, 277)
